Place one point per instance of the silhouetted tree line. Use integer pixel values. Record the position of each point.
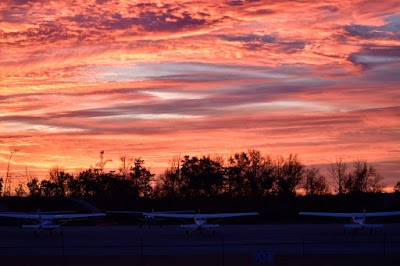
(243, 175)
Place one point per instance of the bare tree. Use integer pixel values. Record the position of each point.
(20, 190)
(170, 180)
(236, 183)
(314, 182)
(259, 173)
(363, 178)
(375, 183)
(396, 188)
(337, 172)
(288, 175)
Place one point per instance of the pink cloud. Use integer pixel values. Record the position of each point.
(157, 79)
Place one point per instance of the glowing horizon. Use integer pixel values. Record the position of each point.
(157, 79)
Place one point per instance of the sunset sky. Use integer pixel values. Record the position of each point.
(154, 79)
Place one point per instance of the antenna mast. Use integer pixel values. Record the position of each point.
(8, 177)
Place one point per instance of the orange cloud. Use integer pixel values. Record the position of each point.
(160, 78)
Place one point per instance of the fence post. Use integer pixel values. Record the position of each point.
(62, 244)
(384, 244)
(141, 253)
(223, 250)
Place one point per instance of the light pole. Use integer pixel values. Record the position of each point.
(8, 178)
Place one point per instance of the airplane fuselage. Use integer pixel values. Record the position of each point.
(42, 224)
(41, 227)
(199, 224)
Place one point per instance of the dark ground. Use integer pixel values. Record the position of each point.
(301, 244)
(202, 260)
(277, 237)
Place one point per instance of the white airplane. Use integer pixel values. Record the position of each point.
(149, 217)
(200, 219)
(42, 221)
(358, 221)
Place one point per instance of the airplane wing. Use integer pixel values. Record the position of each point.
(334, 214)
(72, 215)
(381, 214)
(149, 213)
(125, 212)
(50, 216)
(205, 215)
(351, 215)
(20, 215)
(40, 212)
(181, 211)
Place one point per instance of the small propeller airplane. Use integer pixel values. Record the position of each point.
(200, 219)
(42, 221)
(358, 219)
(149, 218)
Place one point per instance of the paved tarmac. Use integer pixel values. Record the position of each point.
(261, 241)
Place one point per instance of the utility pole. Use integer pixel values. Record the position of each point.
(8, 177)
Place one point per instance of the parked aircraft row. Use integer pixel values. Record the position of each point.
(149, 218)
(358, 219)
(41, 221)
